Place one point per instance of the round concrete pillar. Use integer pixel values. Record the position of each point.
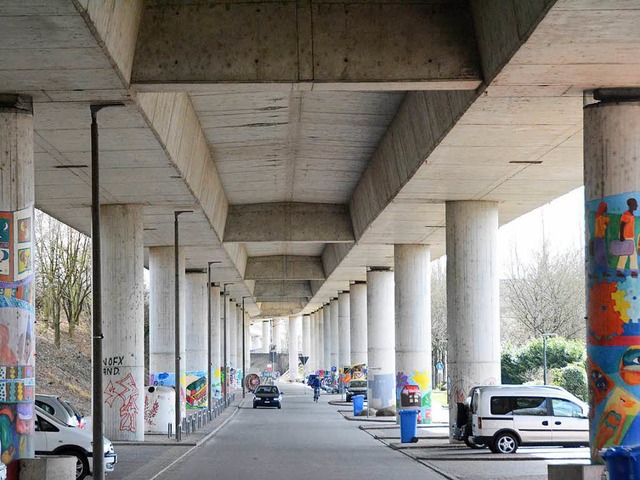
(344, 329)
(196, 341)
(473, 309)
(216, 343)
(380, 339)
(326, 315)
(294, 332)
(232, 323)
(18, 277)
(358, 325)
(266, 337)
(413, 327)
(335, 334)
(612, 194)
(239, 350)
(306, 339)
(247, 343)
(320, 330)
(162, 319)
(123, 321)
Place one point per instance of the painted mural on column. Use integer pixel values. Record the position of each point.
(168, 379)
(216, 383)
(413, 392)
(17, 339)
(196, 389)
(613, 313)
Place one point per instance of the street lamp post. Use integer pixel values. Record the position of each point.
(178, 374)
(209, 345)
(544, 354)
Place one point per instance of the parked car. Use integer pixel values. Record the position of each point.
(267, 396)
(53, 437)
(503, 417)
(62, 409)
(356, 387)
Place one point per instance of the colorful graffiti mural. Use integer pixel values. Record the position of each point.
(613, 313)
(413, 391)
(196, 389)
(168, 379)
(216, 383)
(17, 315)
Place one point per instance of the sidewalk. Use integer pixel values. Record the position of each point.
(147, 460)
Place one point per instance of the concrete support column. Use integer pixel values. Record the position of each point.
(358, 330)
(239, 352)
(216, 343)
(344, 329)
(294, 332)
(17, 273)
(232, 336)
(321, 340)
(326, 313)
(473, 310)
(247, 342)
(278, 327)
(306, 339)
(380, 338)
(612, 193)
(413, 328)
(162, 319)
(123, 321)
(196, 342)
(335, 333)
(266, 337)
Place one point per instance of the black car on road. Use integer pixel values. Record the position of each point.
(267, 396)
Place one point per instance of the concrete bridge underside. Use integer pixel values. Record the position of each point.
(309, 137)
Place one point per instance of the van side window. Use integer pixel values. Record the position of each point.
(519, 406)
(45, 426)
(566, 408)
(47, 408)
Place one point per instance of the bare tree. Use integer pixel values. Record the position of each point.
(545, 295)
(438, 313)
(63, 273)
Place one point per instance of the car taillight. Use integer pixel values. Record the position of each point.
(479, 423)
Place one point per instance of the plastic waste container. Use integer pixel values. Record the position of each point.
(408, 426)
(358, 404)
(623, 463)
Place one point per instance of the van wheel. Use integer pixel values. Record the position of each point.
(504, 443)
(470, 444)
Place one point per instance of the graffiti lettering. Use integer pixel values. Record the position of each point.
(113, 361)
(111, 370)
(128, 392)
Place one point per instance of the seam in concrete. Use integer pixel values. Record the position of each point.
(203, 440)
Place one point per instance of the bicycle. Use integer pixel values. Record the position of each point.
(316, 394)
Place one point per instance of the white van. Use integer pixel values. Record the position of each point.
(53, 437)
(504, 417)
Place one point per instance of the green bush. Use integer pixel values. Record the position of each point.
(573, 378)
(522, 365)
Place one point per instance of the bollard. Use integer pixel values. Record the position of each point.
(169, 430)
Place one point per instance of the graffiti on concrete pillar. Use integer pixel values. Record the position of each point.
(196, 389)
(124, 393)
(17, 315)
(613, 318)
(216, 383)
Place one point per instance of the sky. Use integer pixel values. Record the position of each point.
(560, 221)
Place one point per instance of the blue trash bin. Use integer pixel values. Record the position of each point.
(358, 404)
(623, 463)
(408, 426)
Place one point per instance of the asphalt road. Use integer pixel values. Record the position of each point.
(303, 440)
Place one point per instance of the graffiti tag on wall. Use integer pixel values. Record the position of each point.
(126, 392)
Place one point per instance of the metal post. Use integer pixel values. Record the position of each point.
(244, 356)
(544, 355)
(98, 427)
(176, 265)
(210, 365)
(224, 328)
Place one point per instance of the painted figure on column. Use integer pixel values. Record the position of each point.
(17, 315)
(613, 322)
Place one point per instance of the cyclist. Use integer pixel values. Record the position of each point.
(316, 387)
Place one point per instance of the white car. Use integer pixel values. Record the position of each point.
(60, 408)
(53, 437)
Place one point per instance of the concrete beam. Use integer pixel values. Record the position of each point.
(329, 43)
(279, 309)
(288, 222)
(284, 267)
(282, 288)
